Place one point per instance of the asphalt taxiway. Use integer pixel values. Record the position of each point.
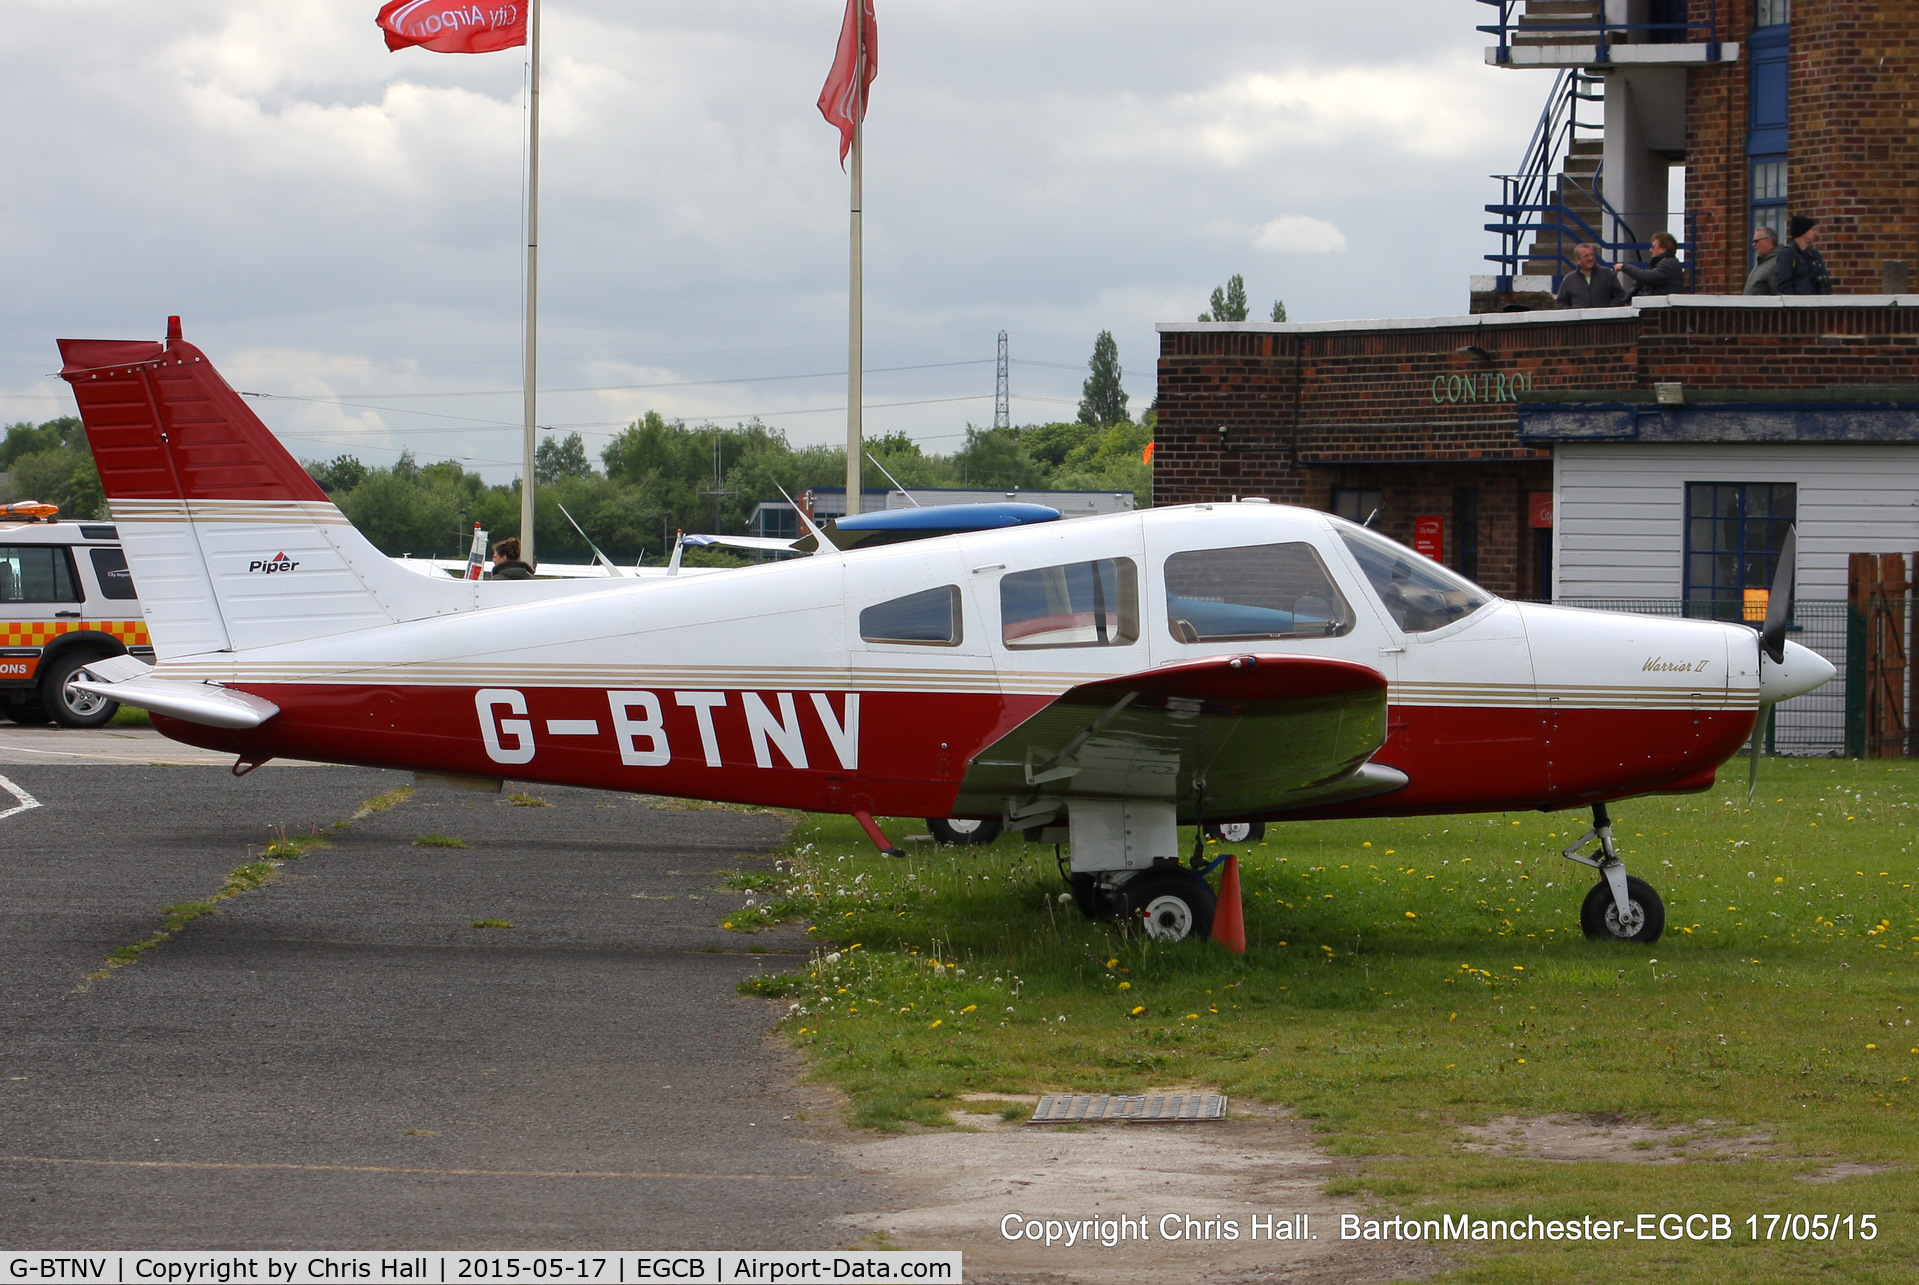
(340, 1059)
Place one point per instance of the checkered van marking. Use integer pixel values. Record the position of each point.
(38, 633)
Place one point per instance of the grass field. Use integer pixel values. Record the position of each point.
(1406, 978)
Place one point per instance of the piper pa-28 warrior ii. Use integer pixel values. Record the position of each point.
(1095, 682)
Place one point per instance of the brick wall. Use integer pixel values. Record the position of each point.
(1291, 413)
(1853, 113)
(1717, 182)
(1854, 160)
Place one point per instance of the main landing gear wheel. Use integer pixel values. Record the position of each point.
(70, 706)
(1236, 831)
(1599, 916)
(1169, 907)
(962, 830)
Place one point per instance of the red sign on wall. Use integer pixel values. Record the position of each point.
(1541, 508)
(1429, 536)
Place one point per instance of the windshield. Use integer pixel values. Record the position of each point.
(1418, 592)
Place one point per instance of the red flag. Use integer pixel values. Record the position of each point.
(855, 63)
(453, 26)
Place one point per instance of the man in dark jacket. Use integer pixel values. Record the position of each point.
(1661, 274)
(506, 561)
(1799, 269)
(1589, 285)
(1765, 249)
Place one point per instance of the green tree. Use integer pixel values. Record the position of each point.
(1229, 301)
(1279, 310)
(341, 473)
(558, 457)
(995, 457)
(1102, 398)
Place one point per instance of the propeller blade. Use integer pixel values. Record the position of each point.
(1752, 767)
(1772, 638)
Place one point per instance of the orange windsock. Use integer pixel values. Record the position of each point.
(1229, 918)
(1146, 456)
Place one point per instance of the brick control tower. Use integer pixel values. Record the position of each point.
(1774, 108)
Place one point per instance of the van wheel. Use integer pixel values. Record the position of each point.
(69, 705)
(27, 713)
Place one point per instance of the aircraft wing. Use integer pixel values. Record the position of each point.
(741, 542)
(1264, 734)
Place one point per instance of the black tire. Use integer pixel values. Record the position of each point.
(70, 706)
(962, 830)
(1169, 907)
(1599, 916)
(27, 713)
(1090, 898)
(1236, 831)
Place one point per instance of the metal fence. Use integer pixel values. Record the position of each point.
(1813, 724)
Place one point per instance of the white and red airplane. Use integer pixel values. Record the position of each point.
(1096, 682)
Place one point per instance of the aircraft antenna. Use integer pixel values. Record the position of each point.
(1002, 394)
(719, 491)
(895, 481)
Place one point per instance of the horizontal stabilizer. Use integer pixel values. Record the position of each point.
(201, 703)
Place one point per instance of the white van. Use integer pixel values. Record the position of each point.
(66, 598)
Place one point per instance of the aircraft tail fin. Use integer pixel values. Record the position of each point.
(231, 543)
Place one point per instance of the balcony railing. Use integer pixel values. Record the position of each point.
(1514, 30)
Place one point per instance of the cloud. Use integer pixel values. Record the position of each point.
(1300, 234)
(273, 174)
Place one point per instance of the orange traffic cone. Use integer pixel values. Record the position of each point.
(1229, 919)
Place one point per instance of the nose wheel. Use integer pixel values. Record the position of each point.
(1619, 907)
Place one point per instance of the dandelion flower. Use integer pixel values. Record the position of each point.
(1141, 1008)
(1411, 915)
(1126, 986)
(970, 1008)
(937, 1022)
(1367, 844)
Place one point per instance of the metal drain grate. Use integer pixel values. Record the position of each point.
(1153, 1108)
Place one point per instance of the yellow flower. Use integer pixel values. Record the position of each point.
(1453, 1017)
(1192, 1017)
(1411, 915)
(1522, 1061)
(970, 1008)
(727, 924)
(1872, 1046)
(1112, 963)
(1126, 986)
(1519, 968)
(1142, 1008)
(937, 1022)
(1367, 844)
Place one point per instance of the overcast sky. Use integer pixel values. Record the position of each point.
(342, 224)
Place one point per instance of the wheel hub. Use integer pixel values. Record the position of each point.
(1634, 921)
(1168, 919)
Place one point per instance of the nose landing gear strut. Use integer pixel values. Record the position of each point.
(1619, 907)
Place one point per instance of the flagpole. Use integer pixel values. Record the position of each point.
(856, 340)
(531, 370)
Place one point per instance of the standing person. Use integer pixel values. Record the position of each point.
(506, 561)
(1800, 269)
(1589, 285)
(1765, 245)
(1661, 274)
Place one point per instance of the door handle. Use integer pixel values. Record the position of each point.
(66, 615)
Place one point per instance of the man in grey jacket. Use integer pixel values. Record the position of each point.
(1765, 246)
(1589, 285)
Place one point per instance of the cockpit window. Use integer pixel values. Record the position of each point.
(1418, 592)
(1081, 604)
(929, 618)
(1253, 592)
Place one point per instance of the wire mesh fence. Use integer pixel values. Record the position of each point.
(1813, 724)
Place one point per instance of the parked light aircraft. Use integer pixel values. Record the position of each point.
(1094, 682)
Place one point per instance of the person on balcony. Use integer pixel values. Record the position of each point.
(1765, 249)
(1661, 274)
(1590, 284)
(1800, 269)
